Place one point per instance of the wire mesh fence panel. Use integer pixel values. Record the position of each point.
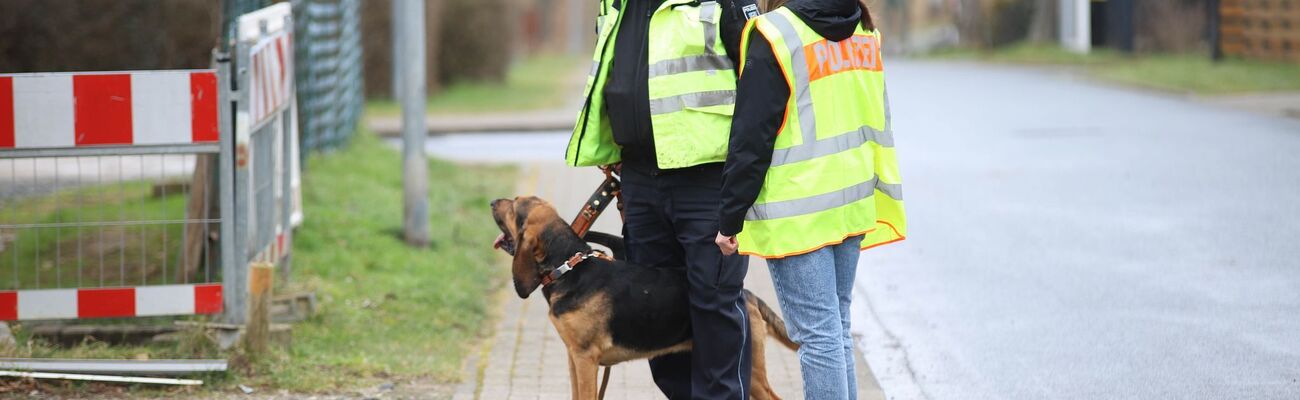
(329, 71)
(103, 221)
(105, 197)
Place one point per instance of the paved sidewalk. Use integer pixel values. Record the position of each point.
(525, 358)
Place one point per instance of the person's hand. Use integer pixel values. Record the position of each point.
(726, 243)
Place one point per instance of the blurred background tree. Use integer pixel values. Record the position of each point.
(91, 35)
(469, 40)
(918, 26)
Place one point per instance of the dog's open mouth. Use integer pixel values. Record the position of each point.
(506, 243)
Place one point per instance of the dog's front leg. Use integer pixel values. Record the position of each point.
(586, 371)
(573, 379)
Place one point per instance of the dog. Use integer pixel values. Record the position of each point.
(608, 311)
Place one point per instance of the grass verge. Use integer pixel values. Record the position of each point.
(1189, 73)
(535, 83)
(388, 312)
(48, 255)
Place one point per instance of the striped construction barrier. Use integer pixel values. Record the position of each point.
(107, 114)
(68, 110)
(272, 78)
(143, 301)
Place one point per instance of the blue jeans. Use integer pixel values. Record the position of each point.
(814, 291)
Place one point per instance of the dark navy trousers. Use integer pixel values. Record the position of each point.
(670, 221)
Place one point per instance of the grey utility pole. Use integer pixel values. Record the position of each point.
(409, 73)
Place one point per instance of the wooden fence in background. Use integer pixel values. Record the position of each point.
(1260, 29)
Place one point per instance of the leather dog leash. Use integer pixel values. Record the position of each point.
(610, 190)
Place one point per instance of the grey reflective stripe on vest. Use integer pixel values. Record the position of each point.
(595, 67)
(706, 62)
(802, 79)
(708, 10)
(831, 145)
(823, 202)
(668, 105)
(889, 121)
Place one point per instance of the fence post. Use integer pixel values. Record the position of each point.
(408, 51)
(233, 276)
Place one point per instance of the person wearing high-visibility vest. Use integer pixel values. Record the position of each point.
(811, 177)
(659, 102)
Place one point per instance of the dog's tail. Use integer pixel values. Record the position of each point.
(775, 325)
(612, 242)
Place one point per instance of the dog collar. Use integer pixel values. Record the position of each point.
(578, 258)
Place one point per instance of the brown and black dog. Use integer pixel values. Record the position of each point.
(607, 311)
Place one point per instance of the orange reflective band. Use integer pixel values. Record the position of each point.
(857, 53)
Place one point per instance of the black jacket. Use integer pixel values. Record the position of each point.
(627, 98)
(761, 98)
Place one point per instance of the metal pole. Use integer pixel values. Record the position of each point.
(408, 51)
(1216, 41)
(234, 271)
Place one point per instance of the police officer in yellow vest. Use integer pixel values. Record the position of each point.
(659, 102)
(811, 176)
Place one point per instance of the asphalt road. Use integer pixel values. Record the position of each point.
(1069, 240)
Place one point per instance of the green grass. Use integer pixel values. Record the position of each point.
(532, 84)
(388, 312)
(1200, 75)
(68, 257)
(1189, 73)
(1027, 54)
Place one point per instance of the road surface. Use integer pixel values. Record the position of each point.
(1077, 241)
(1069, 240)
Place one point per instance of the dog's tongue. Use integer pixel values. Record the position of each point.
(501, 239)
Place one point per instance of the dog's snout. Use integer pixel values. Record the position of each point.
(494, 203)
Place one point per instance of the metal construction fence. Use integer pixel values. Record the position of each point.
(330, 93)
(327, 39)
(266, 151)
(104, 194)
(148, 193)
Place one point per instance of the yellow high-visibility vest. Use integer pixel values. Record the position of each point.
(692, 88)
(834, 173)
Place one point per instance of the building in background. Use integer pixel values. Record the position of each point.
(1265, 30)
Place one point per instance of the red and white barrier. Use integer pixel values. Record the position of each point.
(143, 301)
(65, 110)
(272, 77)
